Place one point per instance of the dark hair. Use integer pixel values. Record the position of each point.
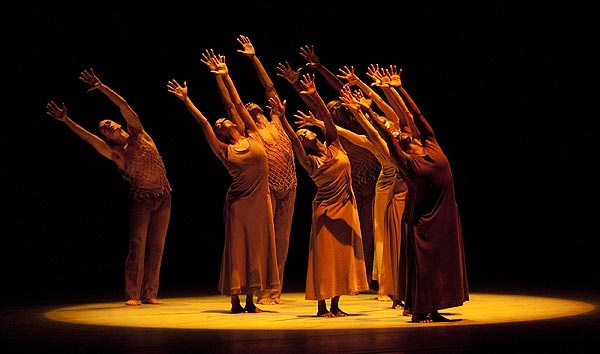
(250, 106)
(343, 117)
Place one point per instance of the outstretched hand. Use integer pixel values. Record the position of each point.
(308, 81)
(378, 75)
(175, 88)
(90, 78)
(394, 74)
(349, 99)
(248, 47)
(207, 59)
(276, 106)
(56, 112)
(286, 72)
(215, 62)
(305, 120)
(360, 96)
(347, 73)
(308, 53)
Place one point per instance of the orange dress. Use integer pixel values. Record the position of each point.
(249, 261)
(336, 262)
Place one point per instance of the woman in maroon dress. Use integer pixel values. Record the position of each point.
(432, 272)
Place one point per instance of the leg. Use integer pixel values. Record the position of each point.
(250, 306)
(139, 219)
(335, 307)
(265, 296)
(365, 200)
(322, 309)
(157, 232)
(283, 212)
(380, 202)
(236, 307)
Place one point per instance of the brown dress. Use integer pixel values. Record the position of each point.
(434, 272)
(336, 263)
(249, 261)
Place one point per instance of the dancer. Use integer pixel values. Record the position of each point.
(336, 263)
(433, 276)
(136, 156)
(365, 167)
(249, 262)
(282, 170)
(391, 188)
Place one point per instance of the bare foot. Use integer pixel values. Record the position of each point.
(253, 309)
(436, 317)
(266, 301)
(383, 298)
(237, 308)
(339, 313)
(325, 314)
(420, 318)
(278, 301)
(153, 301)
(133, 302)
(397, 304)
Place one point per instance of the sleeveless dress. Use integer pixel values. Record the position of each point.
(387, 216)
(249, 261)
(433, 272)
(336, 262)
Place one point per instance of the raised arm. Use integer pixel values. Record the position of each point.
(347, 73)
(181, 92)
(240, 108)
(133, 121)
(388, 80)
(308, 120)
(263, 76)
(211, 60)
(310, 89)
(293, 77)
(377, 143)
(277, 107)
(60, 113)
(397, 155)
(312, 60)
(426, 131)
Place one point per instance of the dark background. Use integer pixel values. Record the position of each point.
(504, 86)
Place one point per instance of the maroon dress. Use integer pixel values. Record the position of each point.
(433, 272)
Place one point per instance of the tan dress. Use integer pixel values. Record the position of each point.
(249, 260)
(390, 230)
(336, 263)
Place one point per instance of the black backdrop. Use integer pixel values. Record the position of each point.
(502, 86)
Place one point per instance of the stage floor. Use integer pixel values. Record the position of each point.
(488, 323)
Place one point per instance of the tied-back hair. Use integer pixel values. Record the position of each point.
(221, 136)
(250, 106)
